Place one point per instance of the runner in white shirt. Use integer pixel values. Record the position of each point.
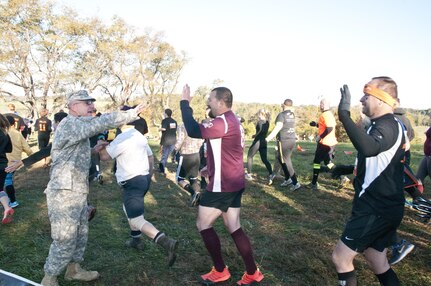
(134, 170)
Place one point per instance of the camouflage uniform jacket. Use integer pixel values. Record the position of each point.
(71, 152)
(185, 144)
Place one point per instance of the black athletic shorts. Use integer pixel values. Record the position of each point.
(322, 154)
(134, 191)
(221, 201)
(368, 230)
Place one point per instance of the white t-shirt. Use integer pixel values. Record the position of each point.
(131, 150)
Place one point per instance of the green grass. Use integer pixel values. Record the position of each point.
(293, 233)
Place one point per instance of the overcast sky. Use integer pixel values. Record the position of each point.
(269, 50)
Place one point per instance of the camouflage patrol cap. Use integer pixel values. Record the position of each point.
(81, 95)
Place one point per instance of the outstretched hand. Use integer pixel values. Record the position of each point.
(139, 108)
(345, 99)
(14, 166)
(101, 144)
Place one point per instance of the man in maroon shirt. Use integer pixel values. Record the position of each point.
(225, 146)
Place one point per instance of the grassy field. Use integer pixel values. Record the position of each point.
(293, 233)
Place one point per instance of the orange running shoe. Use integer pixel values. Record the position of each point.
(247, 279)
(214, 276)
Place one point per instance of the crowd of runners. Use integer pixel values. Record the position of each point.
(210, 167)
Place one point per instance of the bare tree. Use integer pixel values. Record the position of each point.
(37, 48)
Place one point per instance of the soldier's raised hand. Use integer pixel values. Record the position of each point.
(139, 108)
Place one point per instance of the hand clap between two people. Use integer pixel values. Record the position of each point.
(100, 145)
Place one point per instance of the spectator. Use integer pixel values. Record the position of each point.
(19, 122)
(168, 139)
(5, 147)
(43, 126)
(19, 145)
(30, 124)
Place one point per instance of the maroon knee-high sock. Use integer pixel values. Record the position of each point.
(212, 243)
(244, 247)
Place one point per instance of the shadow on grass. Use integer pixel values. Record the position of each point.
(292, 233)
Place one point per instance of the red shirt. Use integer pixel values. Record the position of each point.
(225, 147)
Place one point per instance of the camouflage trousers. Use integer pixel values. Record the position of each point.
(67, 211)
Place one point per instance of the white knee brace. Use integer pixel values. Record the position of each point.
(135, 223)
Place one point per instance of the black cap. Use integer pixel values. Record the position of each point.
(140, 125)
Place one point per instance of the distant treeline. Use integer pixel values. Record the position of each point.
(306, 113)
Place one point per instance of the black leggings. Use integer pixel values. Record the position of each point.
(2, 179)
(262, 148)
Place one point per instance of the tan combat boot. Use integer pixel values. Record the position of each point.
(49, 280)
(75, 272)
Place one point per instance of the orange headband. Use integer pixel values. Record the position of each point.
(380, 94)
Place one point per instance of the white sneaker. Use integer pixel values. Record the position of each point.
(313, 186)
(286, 183)
(248, 177)
(295, 187)
(344, 180)
(271, 178)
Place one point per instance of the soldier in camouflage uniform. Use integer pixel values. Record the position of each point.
(67, 189)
